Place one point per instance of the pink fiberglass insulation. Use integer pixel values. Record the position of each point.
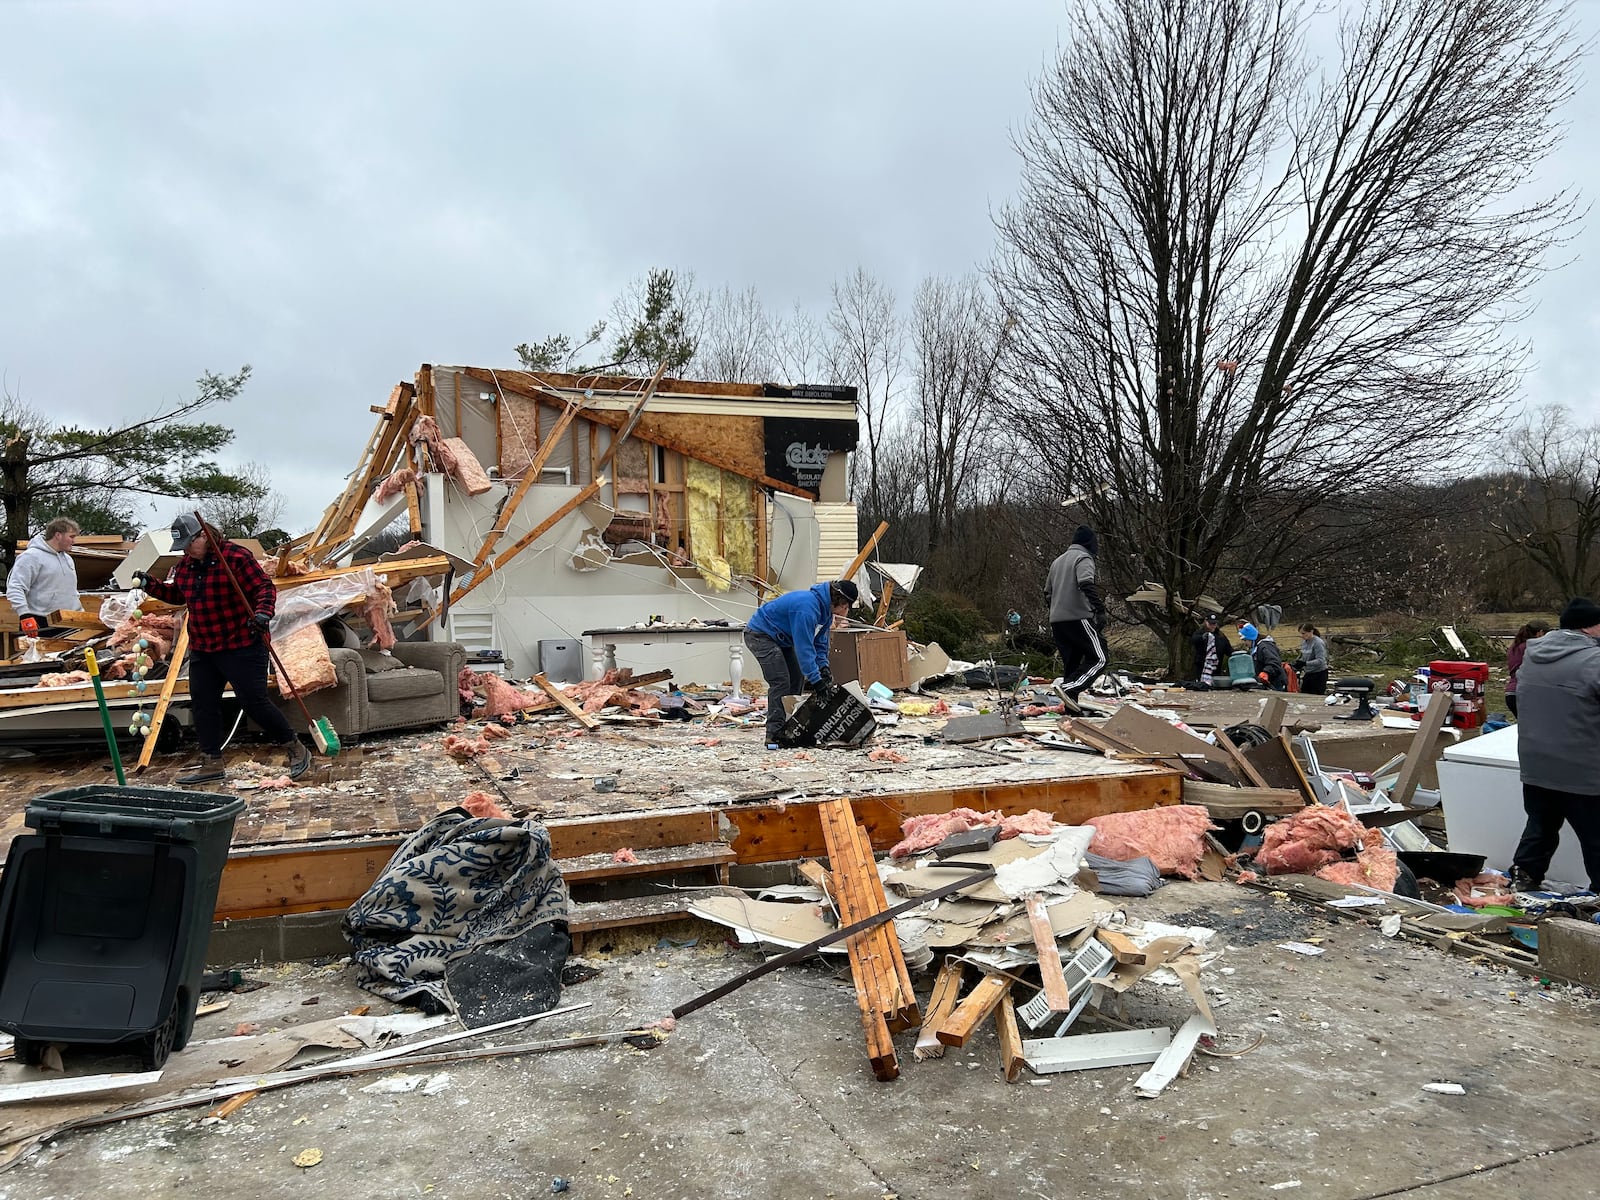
(481, 804)
(394, 484)
(624, 855)
(378, 607)
(503, 698)
(925, 832)
(461, 749)
(1313, 838)
(1173, 837)
(1375, 867)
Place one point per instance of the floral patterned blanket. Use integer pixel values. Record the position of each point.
(459, 883)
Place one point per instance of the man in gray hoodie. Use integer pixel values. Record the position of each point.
(44, 578)
(1077, 612)
(1558, 744)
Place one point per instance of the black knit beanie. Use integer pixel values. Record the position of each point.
(1580, 613)
(844, 590)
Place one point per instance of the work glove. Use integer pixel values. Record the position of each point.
(1299, 664)
(1099, 621)
(824, 678)
(140, 578)
(260, 623)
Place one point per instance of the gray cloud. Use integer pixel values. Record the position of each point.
(336, 193)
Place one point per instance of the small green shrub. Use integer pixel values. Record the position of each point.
(947, 618)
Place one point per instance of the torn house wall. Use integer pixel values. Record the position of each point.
(539, 595)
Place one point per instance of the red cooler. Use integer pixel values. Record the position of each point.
(1465, 681)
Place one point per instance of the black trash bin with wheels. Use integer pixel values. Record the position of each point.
(105, 915)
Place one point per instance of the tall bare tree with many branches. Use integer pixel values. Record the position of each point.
(1243, 285)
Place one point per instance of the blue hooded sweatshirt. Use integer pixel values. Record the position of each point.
(799, 620)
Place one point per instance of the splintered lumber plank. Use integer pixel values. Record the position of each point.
(1230, 803)
(946, 994)
(866, 551)
(868, 953)
(625, 430)
(395, 571)
(1145, 733)
(587, 720)
(1056, 992)
(1417, 753)
(1005, 1027)
(883, 602)
(1301, 782)
(906, 1014)
(867, 967)
(975, 1008)
(1122, 948)
(180, 647)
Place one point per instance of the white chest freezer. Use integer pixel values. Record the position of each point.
(1482, 796)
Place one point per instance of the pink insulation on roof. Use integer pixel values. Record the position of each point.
(1173, 837)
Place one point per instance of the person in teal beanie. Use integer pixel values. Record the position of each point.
(788, 637)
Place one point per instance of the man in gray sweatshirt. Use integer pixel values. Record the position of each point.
(1558, 744)
(44, 578)
(1077, 612)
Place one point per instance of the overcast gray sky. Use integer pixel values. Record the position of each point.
(338, 192)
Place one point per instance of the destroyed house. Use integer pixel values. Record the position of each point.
(577, 503)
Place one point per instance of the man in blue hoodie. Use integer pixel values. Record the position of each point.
(1077, 612)
(789, 639)
(1558, 744)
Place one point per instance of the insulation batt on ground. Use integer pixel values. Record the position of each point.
(1172, 837)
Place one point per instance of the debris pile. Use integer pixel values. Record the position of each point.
(991, 921)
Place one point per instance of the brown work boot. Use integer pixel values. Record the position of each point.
(208, 768)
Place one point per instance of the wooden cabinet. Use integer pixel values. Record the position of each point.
(869, 656)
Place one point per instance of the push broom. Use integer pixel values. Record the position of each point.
(321, 729)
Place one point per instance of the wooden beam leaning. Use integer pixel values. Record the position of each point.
(1005, 1027)
(180, 647)
(624, 431)
(587, 720)
(529, 478)
(883, 602)
(1056, 992)
(946, 993)
(538, 531)
(866, 551)
(1417, 753)
(865, 964)
(975, 1008)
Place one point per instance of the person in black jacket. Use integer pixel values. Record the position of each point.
(1268, 658)
(1211, 650)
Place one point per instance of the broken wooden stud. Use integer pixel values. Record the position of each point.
(1123, 951)
(587, 720)
(1057, 994)
(946, 994)
(1005, 1027)
(974, 1009)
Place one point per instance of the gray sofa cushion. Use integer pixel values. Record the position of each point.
(407, 683)
(377, 660)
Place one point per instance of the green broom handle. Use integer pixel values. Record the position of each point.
(105, 716)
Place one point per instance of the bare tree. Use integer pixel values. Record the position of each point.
(251, 510)
(956, 337)
(800, 349)
(1243, 287)
(736, 339)
(868, 341)
(1549, 507)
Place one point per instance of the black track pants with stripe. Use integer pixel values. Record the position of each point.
(1083, 654)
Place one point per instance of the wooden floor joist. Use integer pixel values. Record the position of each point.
(1044, 941)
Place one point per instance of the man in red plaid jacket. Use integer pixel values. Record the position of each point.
(227, 643)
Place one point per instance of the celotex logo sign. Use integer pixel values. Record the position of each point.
(803, 458)
(798, 449)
